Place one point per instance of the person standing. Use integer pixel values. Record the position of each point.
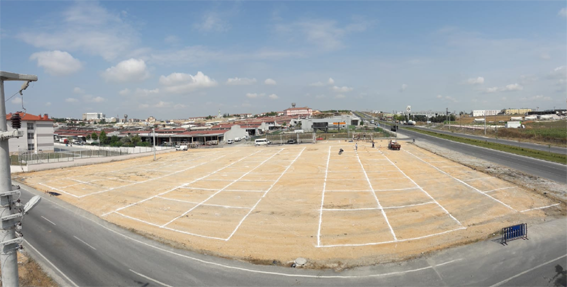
(372, 144)
(356, 146)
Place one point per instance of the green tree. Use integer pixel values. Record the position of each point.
(114, 139)
(103, 138)
(94, 136)
(136, 140)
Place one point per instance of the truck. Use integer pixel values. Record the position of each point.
(394, 128)
(393, 145)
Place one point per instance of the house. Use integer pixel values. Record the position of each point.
(38, 134)
(298, 111)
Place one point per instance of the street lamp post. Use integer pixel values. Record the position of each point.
(154, 135)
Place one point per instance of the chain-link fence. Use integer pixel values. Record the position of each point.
(28, 158)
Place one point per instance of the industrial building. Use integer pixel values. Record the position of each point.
(38, 134)
(521, 111)
(484, 113)
(93, 116)
(309, 125)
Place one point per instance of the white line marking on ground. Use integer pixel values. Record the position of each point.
(448, 262)
(323, 199)
(410, 205)
(468, 185)
(264, 195)
(375, 208)
(48, 220)
(543, 207)
(498, 189)
(151, 279)
(212, 195)
(529, 270)
(56, 189)
(204, 204)
(242, 190)
(44, 258)
(169, 251)
(398, 189)
(335, 190)
(376, 198)
(423, 190)
(177, 187)
(84, 242)
(477, 178)
(392, 241)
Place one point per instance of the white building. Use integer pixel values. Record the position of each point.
(38, 134)
(484, 113)
(93, 116)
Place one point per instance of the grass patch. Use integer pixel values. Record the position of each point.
(544, 155)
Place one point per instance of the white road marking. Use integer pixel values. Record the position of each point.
(464, 183)
(48, 220)
(323, 199)
(264, 195)
(151, 279)
(84, 242)
(529, 270)
(228, 266)
(375, 208)
(376, 198)
(213, 195)
(44, 258)
(423, 190)
(543, 207)
(204, 204)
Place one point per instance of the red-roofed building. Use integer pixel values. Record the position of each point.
(38, 134)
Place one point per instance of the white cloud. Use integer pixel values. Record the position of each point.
(273, 96)
(180, 83)
(269, 82)
(124, 92)
(403, 87)
(340, 96)
(475, 81)
(143, 106)
(91, 99)
(57, 63)
(71, 100)
(179, 106)
(321, 84)
(131, 70)
(492, 90)
(439, 96)
(162, 104)
(326, 34)
(171, 39)
(537, 98)
(240, 81)
(451, 99)
(562, 12)
(343, 89)
(544, 56)
(16, 100)
(84, 26)
(212, 21)
(254, 95)
(48, 104)
(512, 87)
(78, 90)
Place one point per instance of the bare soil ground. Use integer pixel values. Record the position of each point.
(31, 274)
(262, 204)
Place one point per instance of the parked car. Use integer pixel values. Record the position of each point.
(229, 141)
(292, 141)
(181, 147)
(262, 142)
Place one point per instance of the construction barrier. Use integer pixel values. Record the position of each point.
(519, 231)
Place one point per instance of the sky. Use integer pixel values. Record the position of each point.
(180, 59)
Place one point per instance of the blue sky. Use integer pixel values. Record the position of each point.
(180, 59)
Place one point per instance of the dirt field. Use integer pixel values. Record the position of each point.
(282, 202)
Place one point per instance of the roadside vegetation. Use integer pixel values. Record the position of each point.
(544, 155)
(31, 274)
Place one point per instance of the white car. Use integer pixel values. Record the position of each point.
(181, 147)
(261, 142)
(229, 141)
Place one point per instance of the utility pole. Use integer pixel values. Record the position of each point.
(9, 256)
(154, 134)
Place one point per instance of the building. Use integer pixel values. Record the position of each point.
(521, 111)
(484, 113)
(308, 125)
(38, 134)
(93, 116)
(298, 112)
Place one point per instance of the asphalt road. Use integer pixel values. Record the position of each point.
(79, 249)
(553, 149)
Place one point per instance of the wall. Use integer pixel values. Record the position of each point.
(235, 132)
(42, 137)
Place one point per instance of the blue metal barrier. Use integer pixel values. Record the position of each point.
(519, 231)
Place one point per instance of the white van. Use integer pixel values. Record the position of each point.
(181, 147)
(262, 142)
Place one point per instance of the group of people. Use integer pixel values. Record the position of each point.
(355, 148)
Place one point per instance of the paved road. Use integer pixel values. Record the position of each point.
(79, 249)
(553, 149)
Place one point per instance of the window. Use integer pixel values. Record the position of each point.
(31, 147)
(30, 126)
(30, 136)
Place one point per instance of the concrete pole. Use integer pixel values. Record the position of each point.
(154, 134)
(9, 256)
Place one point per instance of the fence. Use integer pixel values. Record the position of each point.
(514, 232)
(64, 156)
(354, 135)
(283, 138)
